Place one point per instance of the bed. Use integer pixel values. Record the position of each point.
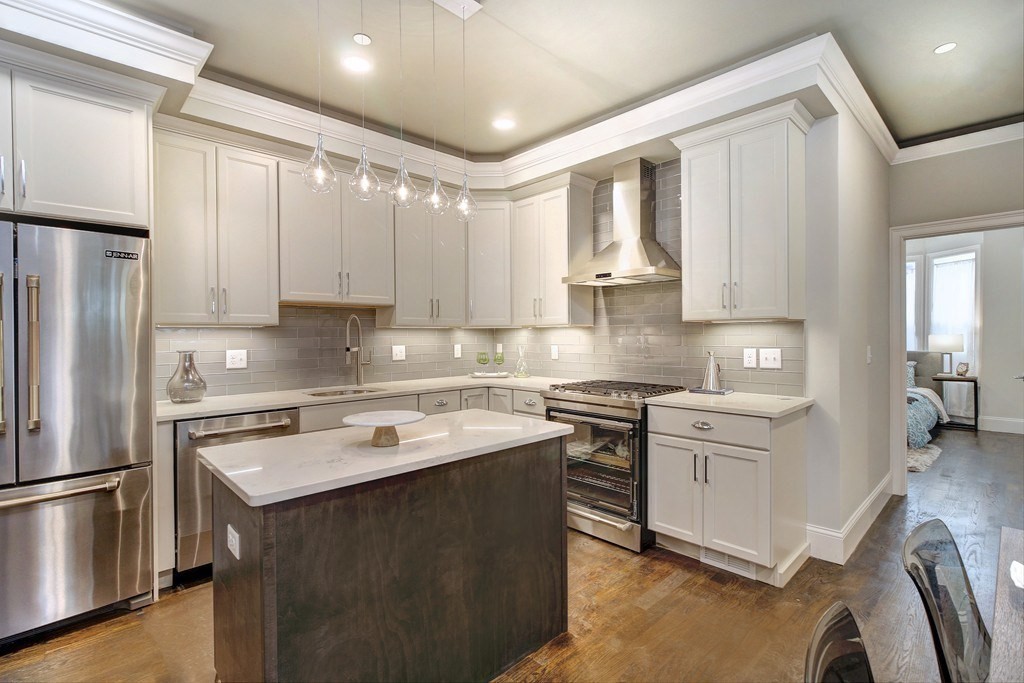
(924, 405)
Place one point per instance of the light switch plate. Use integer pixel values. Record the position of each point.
(750, 358)
(237, 359)
(869, 355)
(234, 543)
(554, 352)
(398, 352)
(458, 350)
(771, 359)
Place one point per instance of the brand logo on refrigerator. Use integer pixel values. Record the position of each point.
(129, 255)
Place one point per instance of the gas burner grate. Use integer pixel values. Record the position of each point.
(600, 387)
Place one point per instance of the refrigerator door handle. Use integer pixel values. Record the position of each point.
(32, 285)
(3, 360)
(111, 485)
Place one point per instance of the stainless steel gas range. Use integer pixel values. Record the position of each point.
(607, 456)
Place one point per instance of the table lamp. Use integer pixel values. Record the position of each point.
(947, 345)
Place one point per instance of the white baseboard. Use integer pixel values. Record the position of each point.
(1006, 425)
(833, 545)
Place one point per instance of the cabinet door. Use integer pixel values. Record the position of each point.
(707, 287)
(500, 400)
(81, 153)
(414, 297)
(474, 398)
(737, 502)
(310, 242)
(449, 277)
(760, 222)
(7, 174)
(184, 231)
(526, 266)
(367, 248)
(247, 271)
(489, 270)
(553, 306)
(439, 402)
(675, 476)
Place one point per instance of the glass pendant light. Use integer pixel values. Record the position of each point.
(435, 199)
(465, 205)
(364, 183)
(403, 192)
(319, 175)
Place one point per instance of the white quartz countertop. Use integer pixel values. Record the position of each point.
(758, 405)
(275, 400)
(274, 470)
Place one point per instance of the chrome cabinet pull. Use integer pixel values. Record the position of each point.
(438, 309)
(111, 485)
(534, 308)
(341, 284)
(540, 306)
(3, 175)
(348, 284)
(695, 468)
(32, 285)
(703, 425)
(24, 179)
(431, 309)
(224, 300)
(441, 402)
(213, 301)
(3, 405)
(725, 286)
(706, 479)
(529, 402)
(735, 295)
(195, 434)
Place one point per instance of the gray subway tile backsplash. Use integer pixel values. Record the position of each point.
(637, 335)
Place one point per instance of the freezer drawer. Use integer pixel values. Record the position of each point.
(73, 546)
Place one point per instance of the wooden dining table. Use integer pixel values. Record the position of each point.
(1007, 658)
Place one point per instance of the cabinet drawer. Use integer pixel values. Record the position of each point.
(528, 402)
(440, 402)
(740, 430)
(330, 416)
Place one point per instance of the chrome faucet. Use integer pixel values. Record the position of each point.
(349, 349)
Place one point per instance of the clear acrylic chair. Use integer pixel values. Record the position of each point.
(962, 643)
(836, 653)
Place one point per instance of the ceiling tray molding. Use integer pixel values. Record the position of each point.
(961, 143)
(107, 33)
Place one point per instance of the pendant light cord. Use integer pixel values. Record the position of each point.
(401, 86)
(464, 165)
(362, 81)
(319, 104)
(433, 60)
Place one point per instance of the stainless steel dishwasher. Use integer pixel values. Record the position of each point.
(193, 510)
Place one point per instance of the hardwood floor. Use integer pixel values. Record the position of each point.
(656, 616)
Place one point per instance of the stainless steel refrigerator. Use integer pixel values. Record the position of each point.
(75, 422)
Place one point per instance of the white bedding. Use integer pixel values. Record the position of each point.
(933, 397)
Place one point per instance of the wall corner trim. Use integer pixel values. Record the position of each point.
(836, 546)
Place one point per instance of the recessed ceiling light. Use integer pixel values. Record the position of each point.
(503, 123)
(945, 47)
(362, 39)
(357, 64)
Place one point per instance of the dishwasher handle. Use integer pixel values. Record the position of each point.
(196, 434)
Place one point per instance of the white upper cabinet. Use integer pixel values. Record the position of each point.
(743, 217)
(78, 152)
(215, 237)
(7, 184)
(552, 231)
(367, 247)
(430, 271)
(489, 267)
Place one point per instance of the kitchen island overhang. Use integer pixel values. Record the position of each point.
(442, 558)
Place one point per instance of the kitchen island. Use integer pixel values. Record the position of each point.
(441, 558)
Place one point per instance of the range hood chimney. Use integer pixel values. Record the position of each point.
(634, 256)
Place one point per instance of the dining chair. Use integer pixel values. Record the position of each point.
(962, 643)
(836, 653)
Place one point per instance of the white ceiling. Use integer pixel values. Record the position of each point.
(555, 65)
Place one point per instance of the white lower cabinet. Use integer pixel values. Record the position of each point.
(474, 398)
(742, 507)
(500, 400)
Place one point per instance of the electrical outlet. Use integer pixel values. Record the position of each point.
(497, 348)
(398, 352)
(869, 354)
(458, 350)
(237, 359)
(771, 359)
(234, 543)
(554, 352)
(750, 358)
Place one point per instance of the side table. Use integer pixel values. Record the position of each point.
(956, 378)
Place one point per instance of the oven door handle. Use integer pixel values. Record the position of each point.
(617, 426)
(623, 526)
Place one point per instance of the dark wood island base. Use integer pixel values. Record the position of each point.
(450, 573)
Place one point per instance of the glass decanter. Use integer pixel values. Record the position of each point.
(521, 369)
(186, 384)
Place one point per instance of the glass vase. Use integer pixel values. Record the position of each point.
(186, 384)
(521, 369)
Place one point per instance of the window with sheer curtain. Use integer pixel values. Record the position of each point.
(953, 309)
(915, 302)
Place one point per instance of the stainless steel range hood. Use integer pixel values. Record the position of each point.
(634, 256)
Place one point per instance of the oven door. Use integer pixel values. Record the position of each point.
(603, 462)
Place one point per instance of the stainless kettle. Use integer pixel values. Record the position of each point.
(712, 375)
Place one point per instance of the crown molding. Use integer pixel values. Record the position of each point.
(792, 111)
(95, 29)
(961, 143)
(990, 221)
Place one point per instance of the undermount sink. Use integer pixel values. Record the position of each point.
(341, 392)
